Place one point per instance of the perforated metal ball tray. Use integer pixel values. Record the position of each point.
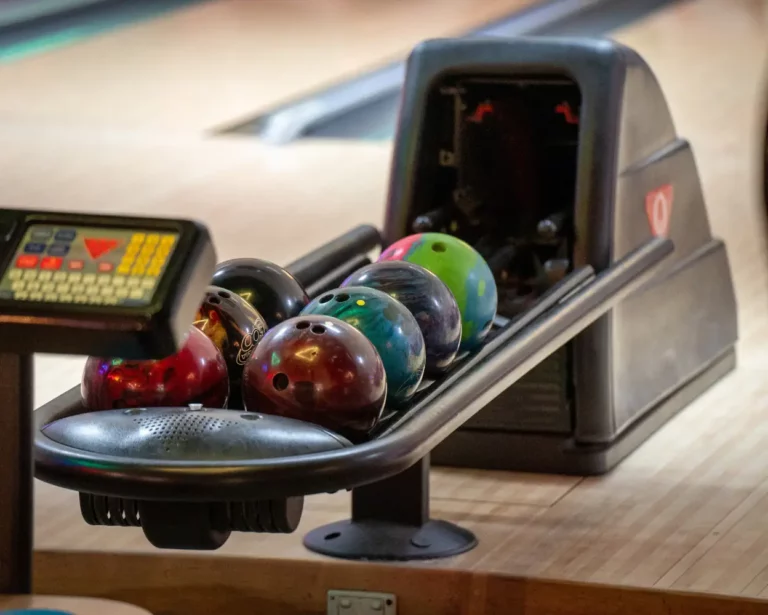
(310, 460)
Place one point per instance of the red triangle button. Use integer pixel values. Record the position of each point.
(99, 247)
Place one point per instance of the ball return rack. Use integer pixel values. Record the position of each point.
(265, 466)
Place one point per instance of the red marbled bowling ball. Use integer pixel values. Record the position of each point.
(197, 373)
(317, 369)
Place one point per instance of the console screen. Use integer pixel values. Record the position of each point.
(87, 265)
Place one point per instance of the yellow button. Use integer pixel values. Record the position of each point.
(138, 270)
(142, 261)
(124, 269)
(131, 250)
(153, 239)
(153, 271)
(137, 238)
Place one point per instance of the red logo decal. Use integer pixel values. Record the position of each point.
(658, 207)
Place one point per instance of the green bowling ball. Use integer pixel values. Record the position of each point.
(463, 271)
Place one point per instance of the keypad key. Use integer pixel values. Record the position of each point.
(133, 281)
(124, 269)
(42, 234)
(137, 294)
(96, 300)
(104, 280)
(107, 291)
(75, 277)
(21, 295)
(27, 261)
(81, 299)
(148, 283)
(153, 239)
(118, 281)
(122, 293)
(36, 296)
(64, 288)
(30, 275)
(66, 234)
(58, 249)
(34, 247)
(110, 301)
(14, 274)
(60, 276)
(34, 286)
(78, 289)
(18, 285)
(89, 278)
(167, 240)
(48, 287)
(45, 276)
(91, 290)
(66, 298)
(51, 297)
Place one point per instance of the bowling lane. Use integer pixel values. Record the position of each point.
(213, 63)
(686, 511)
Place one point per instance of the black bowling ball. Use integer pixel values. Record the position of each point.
(274, 292)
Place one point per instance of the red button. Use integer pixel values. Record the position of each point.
(76, 265)
(51, 263)
(106, 267)
(27, 261)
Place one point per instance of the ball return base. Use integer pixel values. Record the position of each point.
(390, 522)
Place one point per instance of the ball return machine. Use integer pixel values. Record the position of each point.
(620, 260)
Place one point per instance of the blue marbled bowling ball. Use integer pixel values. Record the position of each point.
(429, 300)
(389, 326)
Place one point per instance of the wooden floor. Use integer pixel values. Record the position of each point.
(109, 125)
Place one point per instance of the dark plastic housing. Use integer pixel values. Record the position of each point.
(588, 405)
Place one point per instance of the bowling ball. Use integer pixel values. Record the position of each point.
(391, 328)
(274, 292)
(427, 298)
(235, 327)
(464, 272)
(197, 373)
(320, 370)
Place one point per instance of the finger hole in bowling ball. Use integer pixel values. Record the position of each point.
(438, 246)
(214, 300)
(319, 329)
(302, 325)
(342, 297)
(280, 382)
(332, 536)
(223, 294)
(326, 299)
(250, 417)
